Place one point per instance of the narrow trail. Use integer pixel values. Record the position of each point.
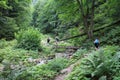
(69, 51)
(64, 73)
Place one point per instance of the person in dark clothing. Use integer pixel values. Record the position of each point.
(48, 40)
(56, 40)
(96, 43)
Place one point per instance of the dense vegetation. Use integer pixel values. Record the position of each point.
(14, 15)
(99, 65)
(75, 17)
(25, 26)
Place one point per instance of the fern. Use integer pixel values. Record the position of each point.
(98, 65)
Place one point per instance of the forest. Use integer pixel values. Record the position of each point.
(59, 40)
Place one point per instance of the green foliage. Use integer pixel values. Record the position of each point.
(63, 43)
(57, 21)
(3, 43)
(57, 64)
(96, 65)
(111, 37)
(23, 20)
(110, 51)
(29, 39)
(48, 50)
(76, 41)
(14, 14)
(47, 24)
(7, 28)
(116, 66)
(3, 4)
(41, 72)
(62, 46)
(114, 9)
(79, 53)
(4, 47)
(65, 19)
(9, 55)
(36, 72)
(17, 57)
(116, 78)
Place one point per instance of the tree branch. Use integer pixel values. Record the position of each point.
(81, 7)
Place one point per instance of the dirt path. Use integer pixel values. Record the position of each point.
(64, 73)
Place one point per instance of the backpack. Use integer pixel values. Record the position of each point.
(96, 41)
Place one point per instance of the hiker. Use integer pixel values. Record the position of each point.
(48, 40)
(56, 40)
(96, 43)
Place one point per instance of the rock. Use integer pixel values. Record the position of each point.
(14, 66)
(63, 71)
(30, 59)
(1, 67)
(59, 55)
(42, 62)
(6, 62)
(51, 57)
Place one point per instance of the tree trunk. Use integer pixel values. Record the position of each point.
(85, 24)
(91, 25)
(92, 19)
(90, 32)
(88, 18)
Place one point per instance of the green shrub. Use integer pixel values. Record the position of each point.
(4, 43)
(116, 66)
(111, 37)
(58, 64)
(97, 65)
(35, 73)
(116, 78)
(64, 44)
(16, 55)
(8, 28)
(76, 41)
(48, 50)
(42, 72)
(10, 56)
(110, 51)
(79, 53)
(28, 39)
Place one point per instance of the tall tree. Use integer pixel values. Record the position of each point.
(87, 8)
(7, 23)
(24, 17)
(114, 6)
(14, 14)
(45, 17)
